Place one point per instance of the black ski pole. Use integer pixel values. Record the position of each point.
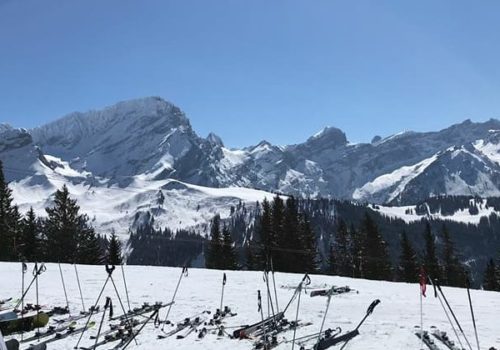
(369, 311)
(269, 297)
(184, 272)
(134, 334)
(222, 294)
(296, 318)
(467, 284)
(259, 308)
(126, 289)
(109, 271)
(274, 286)
(436, 295)
(80, 289)
(106, 305)
(64, 289)
(125, 314)
(453, 314)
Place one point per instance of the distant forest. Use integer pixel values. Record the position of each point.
(283, 233)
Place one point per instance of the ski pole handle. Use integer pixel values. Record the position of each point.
(372, 306)
(110, 269)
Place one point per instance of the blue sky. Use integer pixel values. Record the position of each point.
(253, 70)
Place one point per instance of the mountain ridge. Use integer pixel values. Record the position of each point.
(152, 140)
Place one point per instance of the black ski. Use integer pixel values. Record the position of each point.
(246, 331)
(443, 338)
(50, 331)
(59, 336)
(427, 340)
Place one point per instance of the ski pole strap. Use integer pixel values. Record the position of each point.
(259, 301)
(110, 269)
(109, 304)
(185, 270)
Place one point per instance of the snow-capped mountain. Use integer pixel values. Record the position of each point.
(120, 158)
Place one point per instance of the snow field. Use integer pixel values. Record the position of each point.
(391, 326)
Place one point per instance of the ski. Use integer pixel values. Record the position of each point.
(144, 309)
(59, 336)
(180, 326)
(443, 338)
(246, 331)
(82, 315)
(193, 325)
(427, 340)
(50, 331)
(331, 291)
(109, 338)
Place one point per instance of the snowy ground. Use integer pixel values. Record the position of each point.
(390, 327)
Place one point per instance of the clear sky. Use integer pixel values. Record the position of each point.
(253, 70)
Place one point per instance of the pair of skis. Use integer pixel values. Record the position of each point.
(58, 336)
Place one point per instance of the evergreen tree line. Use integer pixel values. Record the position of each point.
(164, 247)
(491, 279)
(65, 235)
(363, 253)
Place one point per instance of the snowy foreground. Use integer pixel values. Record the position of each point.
(390, 327)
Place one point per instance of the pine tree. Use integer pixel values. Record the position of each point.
(91, 247)
(357, 252)
(31, 236)
(453, 270)
(490, 280)
(376, 264)
(229, 256)
(114, 256)
(249, 257)
(431, 263)
(290, 240)
(9, 221)
(408, 267)
(309, 260)
(341, 259)
(265, 235)
(69, 238)
(278, 234)
(214, 252)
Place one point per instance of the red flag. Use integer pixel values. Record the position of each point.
(423, 281)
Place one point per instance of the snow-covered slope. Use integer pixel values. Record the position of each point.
(166, 203)
(391, 326)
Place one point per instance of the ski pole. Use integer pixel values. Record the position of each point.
(24, 268)
(35, 272)
(80, 289)
(274, 286)
(306, 280)
(369, 311)
(106, 305)
(259, 303)
(269, 297)
(296, 318)
(467, 284)
(446, 313)
(453, 314)
(134, 334)
(64, 288)
(126, 289)
(184, 272)
(222, 294)
(326, 312)
(109, 271)
(41, 269)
